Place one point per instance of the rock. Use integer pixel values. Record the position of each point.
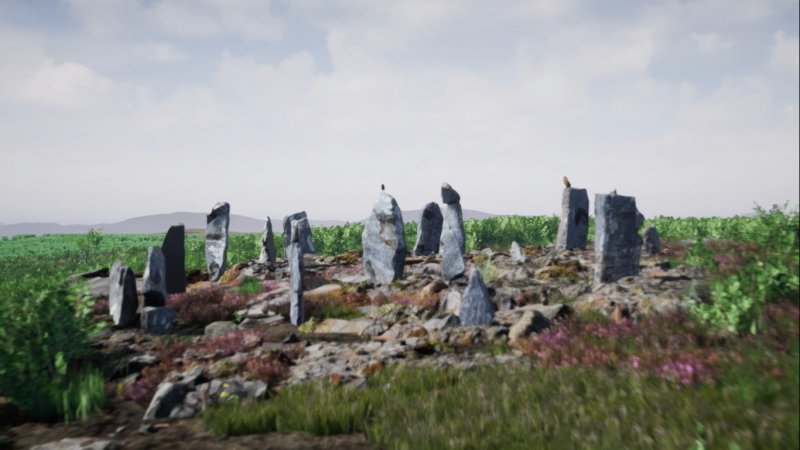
(82, 443)
(261, 323)
(268, 251)
(154, 282)
(217, 224)
(350, 278)
(532, 321)
(516, 253)
(168, 397)
(327, 290)
(573, 228)
(122, 300)
(453, 240)
(357, 326)
(296, 305)
(157, 319)
(650, 241)
(617, 243)
(174, 251)
(429, 230)
(384, 242)
(290, 339)
(442, 323)
(219, 328)
(433, 288)
(476, 308)
(451, 302)
(303, 230)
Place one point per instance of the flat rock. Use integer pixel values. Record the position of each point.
(158, 319)
(357, 326)
(218, 328)
(327, 290)
(81, 443)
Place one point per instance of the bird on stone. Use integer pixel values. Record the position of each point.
(383, 188)
(567, 183)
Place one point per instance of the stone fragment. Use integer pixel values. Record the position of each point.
(158, 319)
(573, 228)
(516, 253)
(384, 242)
(81, 443)
(303, 229)
(219, 328)
(357, 326)
(452, 242)
(174, 252)
(617, 242)
(217, 224)
(451, 303)
(122, 300)
(327, 290)
(154, 282)
(442, 323)
(295, 253)
(476, 308)
(267, 245)
(429, 230)
(651, 242)
(531, 322)
(168, 396)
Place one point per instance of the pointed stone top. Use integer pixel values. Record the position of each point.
(449, 195)
(221, 205)
(386, 207)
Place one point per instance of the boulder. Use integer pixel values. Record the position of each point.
(617, 243)
(174, 252)
(122, 300)
(158, 319)
(476, 308)
(532, 321)
(217, 224)
(429, 230)
(267, 245)
(168, 397)
(516, 253)
(453, 241)
(154, 282)
(451, 303)
(384, 242)
(651, 241)
(219, 328)
(303, 229)
(295, 254)
(573, 228)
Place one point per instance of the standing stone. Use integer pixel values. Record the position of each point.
(122, 300)
(652, 244)
(175, 259)
(384, 242)
(158, 319)
(453, 239)
(617, 244)
(154, 284)
(476, 308)
(217, 224)
(574, 226)
(516, 253)
(429, 230)
(267, 245)
(295, 252)
(303, 229)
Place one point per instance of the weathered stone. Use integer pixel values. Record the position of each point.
(122, 300)
(442, 323)
(217, 224)
(651, 242)
(429, 230)
(327, 290)
(168, 396)
(154, 282)
(453, 239)
(174, 252)
(516, 253)
(384, 242)
(303, 230)
(476, 308)
(573, 228)
(81, 443)
(532, 321)
(357, 326)
(295, 252)
(158, 319)
(218, 328)
(267, 245)
(451, 303)
(617, 243)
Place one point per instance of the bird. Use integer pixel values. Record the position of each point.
(383, 188)
(566, 182)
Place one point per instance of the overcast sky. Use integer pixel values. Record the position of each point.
(114, 109)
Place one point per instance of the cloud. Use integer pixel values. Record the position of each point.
(784, 54)
(160, 52)
(711, 43)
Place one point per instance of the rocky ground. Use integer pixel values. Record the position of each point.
(355, 330)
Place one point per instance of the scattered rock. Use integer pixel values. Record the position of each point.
(328, 290)
(516, 253)
(158, 319)
(174, 250)
(84, 443)
(442, 323)
(217, 224)
(650, 240)
(452, 302)
(476, 308)
(532, 321)
(429, 230)
(122, 300)
(168, 397)
(154, 283)
(219, 328)
(384, 242)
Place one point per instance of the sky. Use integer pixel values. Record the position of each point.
(111, 109)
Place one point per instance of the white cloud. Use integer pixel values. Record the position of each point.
(784, 54)
(711, 43)
(160, 52)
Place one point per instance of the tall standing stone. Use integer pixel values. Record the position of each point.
(217, 224)
(122, 300)
(574, 226)
(175, 259)
(476, 308)
(384, 242)
(453, 239)
(516, 253)
(267, 244)
(429, 230)
(295, 255)
(154, 284)
(617, 243)
(303, 230)
(651, 241)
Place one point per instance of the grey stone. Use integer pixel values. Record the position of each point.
(451, 303)
(303, 229)
(442, 323)
(383, 241)
(174, 251)
(296, 305)
(573, 228)
(476, 308)
(158, 319)
(516, 253)
(122, 300)
(429, 230)
(267, 244)
(218, 328)
(617, 243)
(532, 321)
(453, 240)
(217, 224)
(168, 396)
(651, 242)
(81, 443)
(154, 282)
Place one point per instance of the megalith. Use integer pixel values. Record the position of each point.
(573, 228)
(303, 229)
(476, 308)
(267, 244)
(617, 243)
(651, 241)
(154, 282)
(429, 230)
(453, 240)
(295, 255)
(174, 252)
(383, 241)
(217, 224)
(122, 300)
